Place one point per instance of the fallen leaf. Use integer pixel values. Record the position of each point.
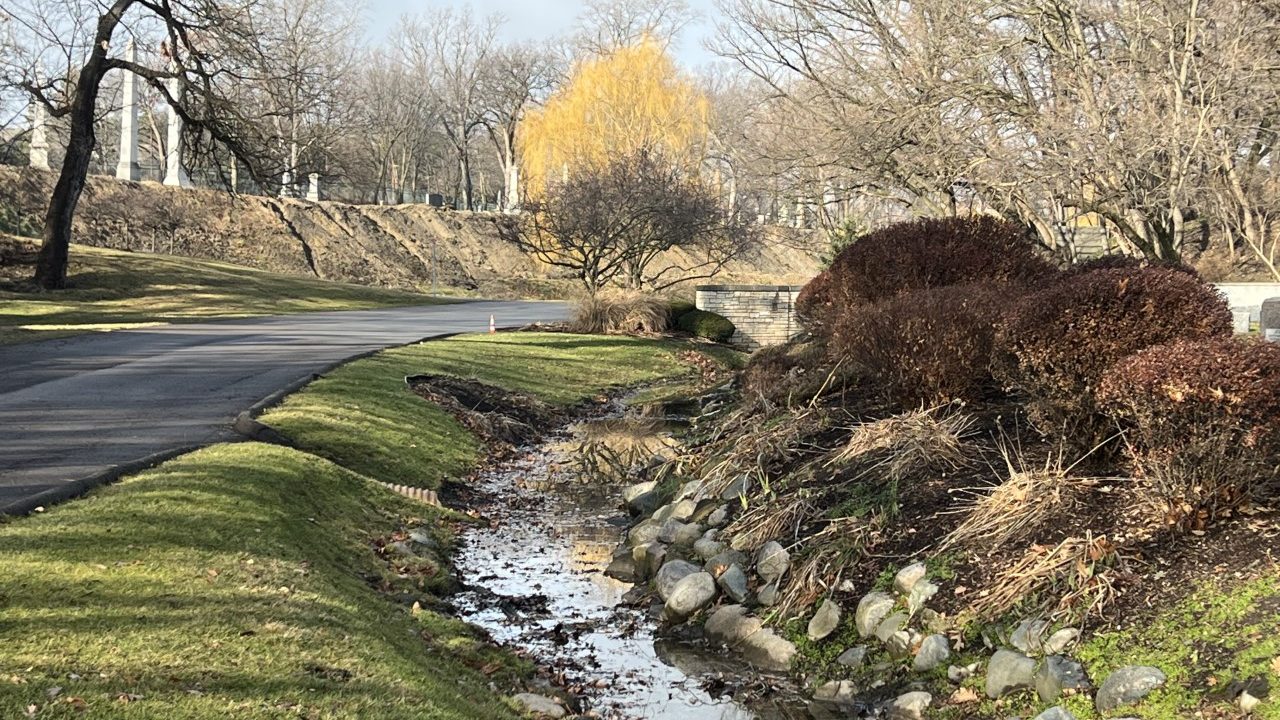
(964, 695)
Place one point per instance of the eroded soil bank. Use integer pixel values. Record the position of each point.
(535, 581)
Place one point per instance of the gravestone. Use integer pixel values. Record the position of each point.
(313, 187)
(127, 167)
(1271, 320)
(1241, 320)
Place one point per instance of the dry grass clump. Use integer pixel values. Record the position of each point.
(831, 551)
(620, 313)
(931, 438)
(1071, 575)
(611, 449)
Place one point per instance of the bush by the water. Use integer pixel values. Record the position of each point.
(707, 325)
(925, 347)
(1055, 344)
(1203, 422)
(919, 255)
(620, 313)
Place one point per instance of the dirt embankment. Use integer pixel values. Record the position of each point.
(404, 246)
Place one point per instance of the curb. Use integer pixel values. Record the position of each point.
(245, 425)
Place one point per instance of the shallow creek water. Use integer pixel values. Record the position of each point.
(536, 584)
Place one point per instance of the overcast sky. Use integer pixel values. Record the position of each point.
(538, 19)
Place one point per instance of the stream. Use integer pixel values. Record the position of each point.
(535, 582)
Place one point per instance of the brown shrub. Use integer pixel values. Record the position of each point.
(920, 255)
(927, 347)
(1055, 344)
(787, 375)
(620, 313)
(1203, 421)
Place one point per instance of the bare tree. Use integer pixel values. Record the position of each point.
(517, 76)
(605, 25)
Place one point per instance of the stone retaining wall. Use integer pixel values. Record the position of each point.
(763, 314)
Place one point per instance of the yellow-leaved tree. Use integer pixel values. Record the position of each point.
(632, 100)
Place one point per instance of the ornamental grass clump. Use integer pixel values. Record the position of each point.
(1055, 345)
(620, 313)
(1202, 419)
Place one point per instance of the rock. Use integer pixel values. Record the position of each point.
(907, 578)
(733, 582)
(687, 534)
(772, 561)
(667, 533)
(622, 568)
(704, 510)
(1060, 641)
(691, 490)
(539, 706)
(958, 674)
(634, 596)
(631, 492)
(872, 609)
(840, 692)
(1247, 702)
(643, 505)
(691, 594)
(422, 540)
(1055, 713)
(1029, 636)
(853, 657)
(682, 510)
(1128, 685)
(768, 595)
(1009, 671)
(649, 559)
(723, 560)
(933, 652)
(919, 595)
(933, 621)
(825, 621)
(645, 532)
(891, 625)
(732, 627)
(718, 517)
(910, 706)
(899, 645)
(671, 573)
(739, 487)
(706, 549)
(1058, 673)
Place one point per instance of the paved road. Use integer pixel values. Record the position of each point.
(73, 409)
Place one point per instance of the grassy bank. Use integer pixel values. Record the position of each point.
(249, 581)
(110, 290)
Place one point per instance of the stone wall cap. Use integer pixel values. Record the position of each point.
(749, 288)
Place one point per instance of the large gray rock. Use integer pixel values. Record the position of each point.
(825, 621)
(772, 561)
(631, 492)
(687, 535)
(853, 657)
(1128, 685)
(732, 627)
(1058, 673)
(670, 528)
(671, 573)
(1055, 713)
(910, 706)
(907, 578)
(649, 559)
(706, 549)
(645, 532)
(840, 692)
(691, 594)
(680, 510)
(1060, 641)
(705, 509)
(1009, 671)
(539, 706)
(623, 568)
(920, 594)
(741, 485)
(899, 645)
(768, 595)
(644, 505)
(1028, 637)
(873, 608)
(934, 651)
(718, 517)
(691, 490)
(733, 583)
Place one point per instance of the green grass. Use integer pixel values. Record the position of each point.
(243, 580)
(362, 416)
(111, 290)
(237, 581)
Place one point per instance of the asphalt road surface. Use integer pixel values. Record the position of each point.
(74, 410)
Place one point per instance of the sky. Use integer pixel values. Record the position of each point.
(539, 19)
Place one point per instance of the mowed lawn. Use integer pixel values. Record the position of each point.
(246, 580)
(111, 290)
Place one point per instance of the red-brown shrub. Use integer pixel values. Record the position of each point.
(924, 347)
(1056, 343)
(919, 255)
(787, 374)
(1203, 421)
(1125, 262)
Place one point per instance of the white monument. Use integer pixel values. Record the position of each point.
(127, 167)
(313, 187)
(174, 174)
(286, 184)
(39, 150)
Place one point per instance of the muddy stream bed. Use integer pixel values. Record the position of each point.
(534, 580)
